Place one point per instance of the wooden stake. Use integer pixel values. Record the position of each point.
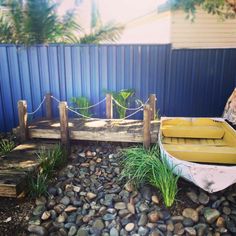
(146, 126)
(152, 103)
(109, 106)
(48, 106)
(22, 115)
(63, 112)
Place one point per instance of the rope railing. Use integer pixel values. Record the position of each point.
(127, 108)
(57, 100)
(79, 114)
(33, 112)
(87, 117)
(81, 108)
(141, 109)
(94, 105)
(72, 109)
(148, 114)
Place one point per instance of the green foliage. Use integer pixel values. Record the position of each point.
(6, 146)
(99, 32)
(163, 178)
(38, 185)
(122, 98)
(49, 160)
(82, 102)
(36, 21)
(142, 165)
(137, 163)
(223, 8)
(108, 33)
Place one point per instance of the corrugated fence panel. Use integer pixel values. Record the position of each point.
(200, 82)
(6, 92)
(187, 82)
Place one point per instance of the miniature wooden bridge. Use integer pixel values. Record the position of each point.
(92, 129)
(21, 162)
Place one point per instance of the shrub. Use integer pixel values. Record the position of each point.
(81, 102)
(145, 166)
(6, 146)
(38, 185)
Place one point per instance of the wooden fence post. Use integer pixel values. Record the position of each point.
(22, 114)
(152, 103)
(63, 112)
(146, 126)
(109, 106)
(48, 106)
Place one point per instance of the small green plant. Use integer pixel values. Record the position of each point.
(58, 156)
(81, 102)
(49, 160)
(137, 163)
(142, 165)
(6, 146)
(122, 97)
(163, 178)
(38, 185)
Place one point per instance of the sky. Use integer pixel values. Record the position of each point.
(118, 10)
(138, 16)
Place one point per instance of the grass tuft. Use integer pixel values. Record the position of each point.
(49, 160)
(142, 165)
(38, 185)
(6, 146)
(165, 180)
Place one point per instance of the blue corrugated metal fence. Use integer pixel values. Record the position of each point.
(187, 82)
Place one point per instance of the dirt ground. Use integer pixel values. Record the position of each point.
(14, 215)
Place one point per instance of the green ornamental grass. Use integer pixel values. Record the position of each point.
(49, 161)
(38, 185)
(165, 180)
(52, 159)
(142, 165)
(6, 146)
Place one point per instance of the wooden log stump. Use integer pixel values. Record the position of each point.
(22, 115)
(48, 106)
(109, 106)
(146, 126)
(63, 113)
(152, 103)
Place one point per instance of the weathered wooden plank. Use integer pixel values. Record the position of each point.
(63, 112)
(17, 165)
(48, 106)
(44, 133)
(105, 136)
(146, 126)
(95, 129)
(152, 103)
(12, 183)
(109, 106)
(22, 116)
